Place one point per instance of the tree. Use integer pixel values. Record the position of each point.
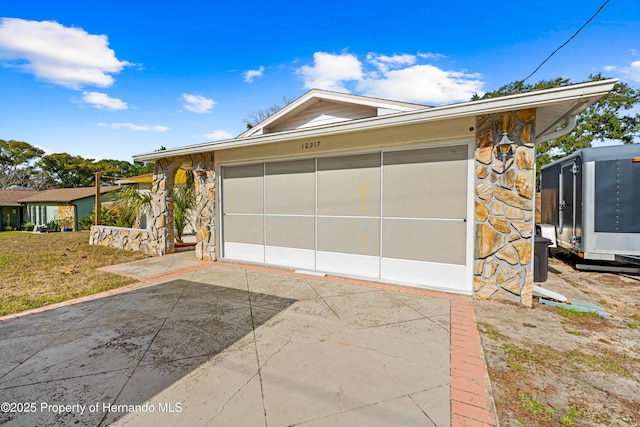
(18, 152)
(139, 168)
(112, 170)
(257, 116)
(25, 165)
(16, 158)
(68, 171)
(520, 87)
(609, 119)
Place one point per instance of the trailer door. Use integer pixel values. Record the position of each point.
(567, 228)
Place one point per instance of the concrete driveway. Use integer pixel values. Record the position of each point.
(220, 344)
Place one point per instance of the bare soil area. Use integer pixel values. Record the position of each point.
(550, 366)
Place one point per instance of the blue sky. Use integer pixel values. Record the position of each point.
(110, 79)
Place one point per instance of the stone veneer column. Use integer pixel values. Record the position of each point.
(504, 208)
(205, 185)
(161, 224)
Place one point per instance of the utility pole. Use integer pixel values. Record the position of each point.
(97, 213)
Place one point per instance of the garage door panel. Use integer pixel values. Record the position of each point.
(349, 235)
(244, 252)
(396, 216)
(425, 240)
(425, 183)
(290, 187)
(290, 257)
(427, 155)
(349, 185)
(291, 231)
(349, 264)
(243, 189)
(449, 277)
(244, 229)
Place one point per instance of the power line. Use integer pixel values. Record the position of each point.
(567, 42)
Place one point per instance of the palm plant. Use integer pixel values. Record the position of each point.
(132, 203)
(184, 201)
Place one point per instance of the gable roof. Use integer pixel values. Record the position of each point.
(556, 109)
(63, 195)
(11, 197)
(318, 107)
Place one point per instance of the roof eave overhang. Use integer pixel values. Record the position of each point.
(578, 97)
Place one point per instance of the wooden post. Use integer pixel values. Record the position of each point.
(97, 213)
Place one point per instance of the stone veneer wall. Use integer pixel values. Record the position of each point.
(205, 211)
(159, 238)
(504, 208)
(162, 223)
(134, 239)
(66, 216)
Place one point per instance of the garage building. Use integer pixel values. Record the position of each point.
(438, 197)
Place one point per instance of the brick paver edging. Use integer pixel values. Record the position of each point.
(472, 401)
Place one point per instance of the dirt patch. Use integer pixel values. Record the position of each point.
(556, 367)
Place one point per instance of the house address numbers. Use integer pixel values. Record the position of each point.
(310, 145)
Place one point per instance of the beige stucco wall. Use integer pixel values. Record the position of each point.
(360, 141)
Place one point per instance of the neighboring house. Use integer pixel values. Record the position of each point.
(65, 205)
(12, 214)
(435, 197)
(144, 181)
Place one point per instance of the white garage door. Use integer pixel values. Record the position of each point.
(396, 216)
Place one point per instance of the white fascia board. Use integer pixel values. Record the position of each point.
(590, 91)
(368, 101)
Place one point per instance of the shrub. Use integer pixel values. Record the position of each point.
(53, 225)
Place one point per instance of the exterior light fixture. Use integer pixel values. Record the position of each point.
(504, 149)
(200, 171)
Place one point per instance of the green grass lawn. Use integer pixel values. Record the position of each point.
(39, 269)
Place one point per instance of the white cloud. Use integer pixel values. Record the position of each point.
(632, 71)
(403, 77)
(431, 55)
(330, 71)
(197, 103)
(136, 128)
(218, 134)
(423, 83)
(250, 75)
(384, 62)
(46, 150)
(66, 56)
(103, 101)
